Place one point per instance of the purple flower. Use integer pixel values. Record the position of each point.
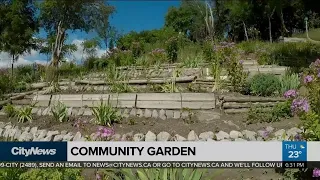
(241, 62)
(308, 79)
(104, 132)
(98, 176)
(316, 172)
(290, 94)
(298, 137)
(300, 105)
(317, 62)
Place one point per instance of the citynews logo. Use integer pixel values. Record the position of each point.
(33, 151)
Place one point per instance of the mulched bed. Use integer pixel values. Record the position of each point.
(143, 125)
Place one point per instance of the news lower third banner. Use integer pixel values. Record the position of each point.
(290, 154)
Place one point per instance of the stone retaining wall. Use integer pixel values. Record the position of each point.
(141, 113)
(10, 132)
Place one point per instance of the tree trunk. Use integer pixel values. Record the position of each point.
(57, 47)
(269, 19)
(57, 52)
(245, 30)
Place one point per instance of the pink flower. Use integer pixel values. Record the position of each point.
(316, 172)
(300, 105)
(308, 79)
(290, 93)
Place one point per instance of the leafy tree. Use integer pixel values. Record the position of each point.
(189, 19)
(90, 47)
(46, 47)
(18, 24)
(58, 16)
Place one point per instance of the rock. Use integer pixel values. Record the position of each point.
(222, 135)
(45, 111)
(69, 111)
(239, 139)
(39, 113)
(133, 112)
(116, 137)
(17, 134)
(225, 140)
(293, 132)
(139, 113)
(74, 112)
(80, 112)
(184, 115)
(52, 133)
(77, 136)
(63, 132)
(138, 137)
(177, 137)
(127, 137)
(176, 114)
(25, 136)
(260, 139)
(150, 136)
(147, 113)
(263, 133)
(163, 136)
(33, 131)
(250, 135)
(205, 136)
(2, 125)
(25, 129)
(1, 130)
(87, 112)
(58, 137)
(235, 134)
(280, 133)
(155, 114)
(42, 134)
(34, 110)
(68, 137)
(269, 129)
(169, 114)
(192, 136)
(162, 114)
(125, 113)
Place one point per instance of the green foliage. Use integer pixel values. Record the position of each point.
(259, 114)
(264, 85)
(122, 58)
(10, 110)
(5, 83)
(172, 49)
(155, 174)
(25, 114)
(188, 19)
(90, 47)
(137, 49)
(289, 81)
(52, 174)
(105, 114)
(70, 69)
(60, 112)
(11, 173)
(237, 76)
(118, 87)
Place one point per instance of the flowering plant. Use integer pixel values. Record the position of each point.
(104, 133)
(307, 106)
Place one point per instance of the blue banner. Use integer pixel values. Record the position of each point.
(294, 151)
(33, 151)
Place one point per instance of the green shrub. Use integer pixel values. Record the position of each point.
(137, 49)
(25, 114)
(59, 112)
(155, 174)
(264, 85)
(52, 174)
(11, 173)
(289, 81)
(105, 114)
(10, 110)
(259, 114)
(5, 83)
(89, 63)
(172, 49)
